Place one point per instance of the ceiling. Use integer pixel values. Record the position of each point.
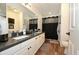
(43, 9)
(46, 9)
(26, 12)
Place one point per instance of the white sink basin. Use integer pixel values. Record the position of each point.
(21, 37)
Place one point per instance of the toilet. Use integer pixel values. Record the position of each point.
(65, 43)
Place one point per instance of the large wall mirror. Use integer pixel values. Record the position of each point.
(18, 17)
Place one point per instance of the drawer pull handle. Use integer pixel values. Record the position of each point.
(35, 38)
(30, 47)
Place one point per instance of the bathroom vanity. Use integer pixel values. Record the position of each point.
(24, 46)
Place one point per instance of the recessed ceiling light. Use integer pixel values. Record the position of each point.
(15, 10)
(50, 13)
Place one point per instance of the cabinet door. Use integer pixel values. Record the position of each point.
(26, 47)
(41, 39)
(32, 47)
(36, 44)
(23, 51)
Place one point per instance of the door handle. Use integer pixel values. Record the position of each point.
(68, 33)
(29, 47)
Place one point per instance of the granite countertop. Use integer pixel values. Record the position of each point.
(12, 42)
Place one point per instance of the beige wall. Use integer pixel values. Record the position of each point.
(64, 21)
(40, 23)
(18, 19)
(65, 26)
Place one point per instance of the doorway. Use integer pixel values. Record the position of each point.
(49, 26)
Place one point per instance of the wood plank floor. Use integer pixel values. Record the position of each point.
(50, 48)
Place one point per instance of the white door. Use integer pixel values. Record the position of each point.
(32, 47)
(75, 29)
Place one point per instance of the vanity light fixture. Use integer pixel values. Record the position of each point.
(25, 4)
(28, 4)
